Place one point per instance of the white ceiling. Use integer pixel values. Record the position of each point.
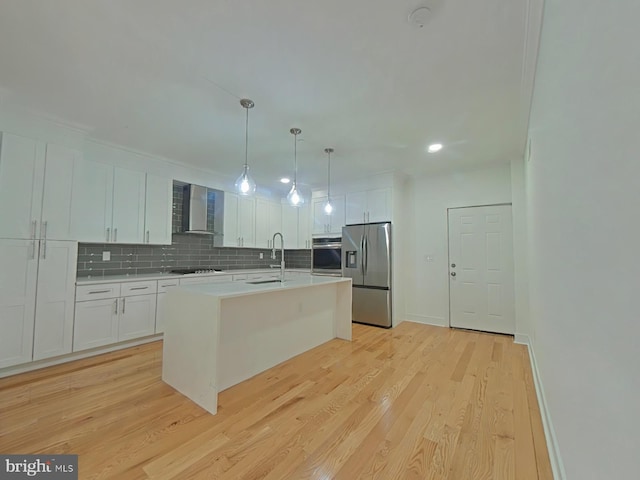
(165, 77)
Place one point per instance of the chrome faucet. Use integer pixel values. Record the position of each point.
(273, 253)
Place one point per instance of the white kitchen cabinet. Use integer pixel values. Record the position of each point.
(108, 204)
(239, 221)
(296, 227)
(128, 206)
(158, 210)
(110, 313)
(36, 299)
(137, 317)
(268, 222)
(329, 224)
(20, 176)
(55, 299)
(35, 188)
(368, 206)
(161, 315)
(96, 324)
(18, 279)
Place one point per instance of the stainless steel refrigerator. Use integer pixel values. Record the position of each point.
(366, 259)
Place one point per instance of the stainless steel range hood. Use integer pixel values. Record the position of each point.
(199, 208)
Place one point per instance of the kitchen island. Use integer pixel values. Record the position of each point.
(218, 335)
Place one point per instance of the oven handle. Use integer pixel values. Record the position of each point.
(327, 246)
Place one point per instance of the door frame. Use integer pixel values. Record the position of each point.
(449, 243)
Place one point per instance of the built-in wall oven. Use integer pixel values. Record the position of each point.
(326, 256)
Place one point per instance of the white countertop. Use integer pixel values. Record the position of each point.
(236, 289)
(165, 276)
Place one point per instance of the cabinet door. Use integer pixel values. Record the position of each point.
(290, 226)
(320, 219)
(20, 186)
(379, 205)
(356, 206)
(128, 206)
(91, 210)
(18, 272)
(337, 218)
(263, 239)
(58, 187)
(161, 315)
(304, 226)
(96, 324)
(137, 317)
(247, 221)
(158, 210)
(275, 220)
(55, 299)
(231, 233)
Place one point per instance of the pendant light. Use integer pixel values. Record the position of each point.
(294, 197)
(328, 208)
(245, 185)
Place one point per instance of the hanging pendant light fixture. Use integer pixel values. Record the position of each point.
(245, 185)
(294, 197)
(328, 207)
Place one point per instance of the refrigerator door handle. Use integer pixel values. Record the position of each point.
(362, 255)
(366, 255)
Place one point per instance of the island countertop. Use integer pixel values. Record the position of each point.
(236, 289)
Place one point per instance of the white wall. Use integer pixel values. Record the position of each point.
(584, 234)
(427, 282)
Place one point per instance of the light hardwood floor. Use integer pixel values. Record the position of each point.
(414, 402)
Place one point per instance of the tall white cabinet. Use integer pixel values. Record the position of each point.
(330, 224)
(37, 262)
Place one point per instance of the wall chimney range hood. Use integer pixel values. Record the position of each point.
(199, 210)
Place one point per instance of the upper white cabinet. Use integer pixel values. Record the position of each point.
(368, 206)
(268, 222)
(323, 223)
(296, 226)
(239, 221)
(35, 189)
(158, 210)
(108, 204)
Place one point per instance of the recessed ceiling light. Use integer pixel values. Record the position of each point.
(285, 180)
(434, 147)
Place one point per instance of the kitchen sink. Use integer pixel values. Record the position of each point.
(258, 282)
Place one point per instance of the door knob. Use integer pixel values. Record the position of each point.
(453, 265)
(453, 274)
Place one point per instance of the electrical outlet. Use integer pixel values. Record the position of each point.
(261, 255)
(106, 256)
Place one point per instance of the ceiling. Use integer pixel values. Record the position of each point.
(165, 77)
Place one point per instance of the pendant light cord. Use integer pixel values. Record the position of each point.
(246, 141)
(295, 159)
(329, 178)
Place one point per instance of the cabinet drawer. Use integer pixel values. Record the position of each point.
(166, 285)
(138, 288)
(97, 292)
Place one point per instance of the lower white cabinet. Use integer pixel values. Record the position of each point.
(113, 313)
(37, 280)
(96, 324)
(161, 317)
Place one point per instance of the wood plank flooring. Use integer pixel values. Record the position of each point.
(414, 402)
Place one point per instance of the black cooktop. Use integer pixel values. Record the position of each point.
(185, 271)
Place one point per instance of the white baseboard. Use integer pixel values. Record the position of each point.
(426, 320)
(550, 435)
(28, 367)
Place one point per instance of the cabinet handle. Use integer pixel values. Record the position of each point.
(242, 241)
(99, 291)
(138, 288)
(45, 225)
(238, 241)
(115, 234)
(169, 285)
(123, 302)
(115, 311)
(108, 234)
(33, 240)
(147, 236)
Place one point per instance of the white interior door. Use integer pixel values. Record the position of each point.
(481, 268)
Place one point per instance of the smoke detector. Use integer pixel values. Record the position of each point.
(419, 17)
